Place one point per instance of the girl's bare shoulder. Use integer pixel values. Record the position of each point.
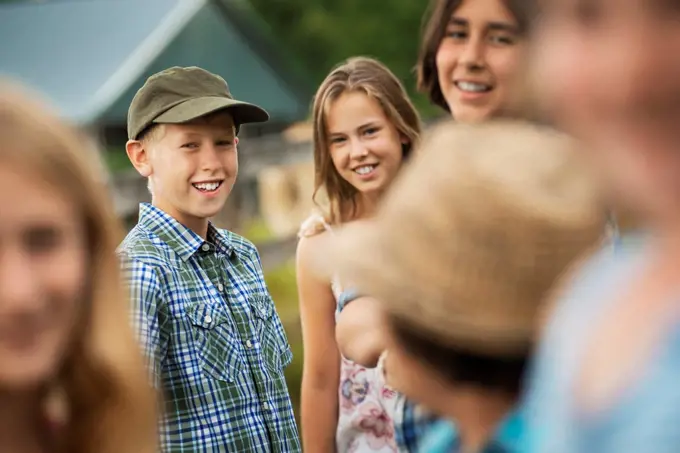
(315, 225)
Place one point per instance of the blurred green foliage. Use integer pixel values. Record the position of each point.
(283, 288)
(117, 160)
(256, 230)
(321, 33)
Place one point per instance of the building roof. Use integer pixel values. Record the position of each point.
(89, 57)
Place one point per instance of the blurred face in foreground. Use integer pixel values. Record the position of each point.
(611, 72)
(43, 259)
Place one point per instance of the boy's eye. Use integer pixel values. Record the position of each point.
(190, 145)
(223, 143)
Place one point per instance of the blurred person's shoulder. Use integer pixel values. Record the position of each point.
(605, 265)
(584, 290)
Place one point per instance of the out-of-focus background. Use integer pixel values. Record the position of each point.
(88, 58)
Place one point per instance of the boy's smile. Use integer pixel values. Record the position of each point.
(208, 188)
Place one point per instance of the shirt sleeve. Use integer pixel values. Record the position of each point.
(145, 307)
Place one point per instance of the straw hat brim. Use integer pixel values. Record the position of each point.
(473, 235)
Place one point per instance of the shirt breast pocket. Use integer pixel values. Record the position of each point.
(272, 337)
(215, 342)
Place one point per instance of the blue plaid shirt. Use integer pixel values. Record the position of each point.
(215, 344)
(414, 426)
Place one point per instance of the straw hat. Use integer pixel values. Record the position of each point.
(474, 233)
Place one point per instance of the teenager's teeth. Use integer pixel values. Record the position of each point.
(473, 87)
(207, 186)
(366, 169)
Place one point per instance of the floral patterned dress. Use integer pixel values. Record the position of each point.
(367, 405)
(367, 408)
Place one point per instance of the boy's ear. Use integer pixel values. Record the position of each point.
(139, 156)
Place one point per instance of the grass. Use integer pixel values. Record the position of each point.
(257, 231)
(283, 288)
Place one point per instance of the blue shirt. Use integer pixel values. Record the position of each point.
(415, 424)
(645, 418)
(443, 437)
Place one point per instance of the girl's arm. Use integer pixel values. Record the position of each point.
(359, 331)
(321, 371)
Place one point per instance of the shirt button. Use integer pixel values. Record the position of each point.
(266, 406)
(249, 344)
(220, 287)
(208, 319)
(205, 247)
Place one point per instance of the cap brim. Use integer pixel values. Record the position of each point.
(242, 112)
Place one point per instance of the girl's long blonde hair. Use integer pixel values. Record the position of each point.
(371, 77)
(111, 405)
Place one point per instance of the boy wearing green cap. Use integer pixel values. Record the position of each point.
(215, 344)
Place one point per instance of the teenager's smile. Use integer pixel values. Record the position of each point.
(366, 171)
(470, 90)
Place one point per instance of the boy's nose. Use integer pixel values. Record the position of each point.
(210, 158)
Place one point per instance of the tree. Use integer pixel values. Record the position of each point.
(321, 33)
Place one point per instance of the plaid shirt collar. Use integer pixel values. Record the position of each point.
(179, 238)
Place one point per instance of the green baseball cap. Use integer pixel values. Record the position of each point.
(178, 95)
